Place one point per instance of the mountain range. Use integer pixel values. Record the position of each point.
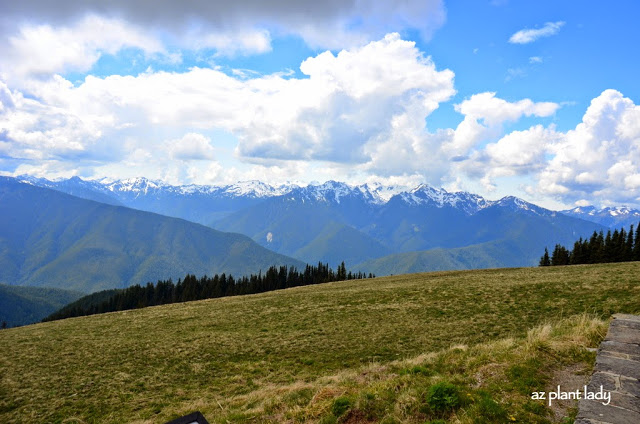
(200, 204)
(207, 204)
(612, 217)
(371, 227)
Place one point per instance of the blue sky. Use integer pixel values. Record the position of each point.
(533, 99)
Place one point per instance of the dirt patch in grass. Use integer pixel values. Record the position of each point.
(569, 378)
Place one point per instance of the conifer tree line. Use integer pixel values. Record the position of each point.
(193, 288)
(619, 246)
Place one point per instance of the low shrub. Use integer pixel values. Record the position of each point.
(443, 397)
(341, 405)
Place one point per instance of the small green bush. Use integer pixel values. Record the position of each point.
(341, 405)
(443, 397)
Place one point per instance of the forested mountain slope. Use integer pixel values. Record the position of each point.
(51, 239)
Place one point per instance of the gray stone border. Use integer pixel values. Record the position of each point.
(617, 371)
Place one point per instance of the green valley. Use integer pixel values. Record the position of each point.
(20, 305)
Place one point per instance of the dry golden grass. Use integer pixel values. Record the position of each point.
(287, 356)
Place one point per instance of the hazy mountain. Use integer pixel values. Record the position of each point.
(612, 217)
(313, 223)
(508, 233)
(48, 238)
(515, 232)
(21, 305)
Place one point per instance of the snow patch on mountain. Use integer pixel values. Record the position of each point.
(611, 216)
(381, 194)
(515, 203)
(424, 194)
(138, 185)
(257, 189)
(615, 211)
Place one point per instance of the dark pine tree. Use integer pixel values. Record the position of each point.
(636, 246)
(628, 246)
(560, 256)
(607, 254)
(544, 260)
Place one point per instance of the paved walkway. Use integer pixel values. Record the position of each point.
(617, 371)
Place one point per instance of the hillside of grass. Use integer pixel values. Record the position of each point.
(21, 305)
(458, 346)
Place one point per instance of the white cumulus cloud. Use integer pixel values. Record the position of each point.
(192, 146)
(484, 115)
(347, 106)
(38, 50)
(517, 153)
(494, 111)
(600, 158)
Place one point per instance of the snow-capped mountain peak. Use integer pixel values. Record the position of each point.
(515, 203)
(257, 189)
(330, 191)
(380, 193)
(469, 203)
(135, 185)
(621, 211)
(611, 216)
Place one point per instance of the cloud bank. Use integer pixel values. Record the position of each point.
(360, 113)
(222, 24)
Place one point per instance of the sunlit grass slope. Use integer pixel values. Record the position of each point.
(356, 351)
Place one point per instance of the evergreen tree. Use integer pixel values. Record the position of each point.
(593, 248)
(636, 246)
(579, 254)
(544, 260)
(628, 246)
(560, 256)
(618, 239)
(607, 253)
(599, 254)
(342, 272)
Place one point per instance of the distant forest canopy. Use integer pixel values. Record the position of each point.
(192, 288)
(619, 246)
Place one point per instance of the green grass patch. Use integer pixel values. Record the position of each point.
(380, 343)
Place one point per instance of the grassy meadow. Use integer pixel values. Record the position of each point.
(464, 346)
